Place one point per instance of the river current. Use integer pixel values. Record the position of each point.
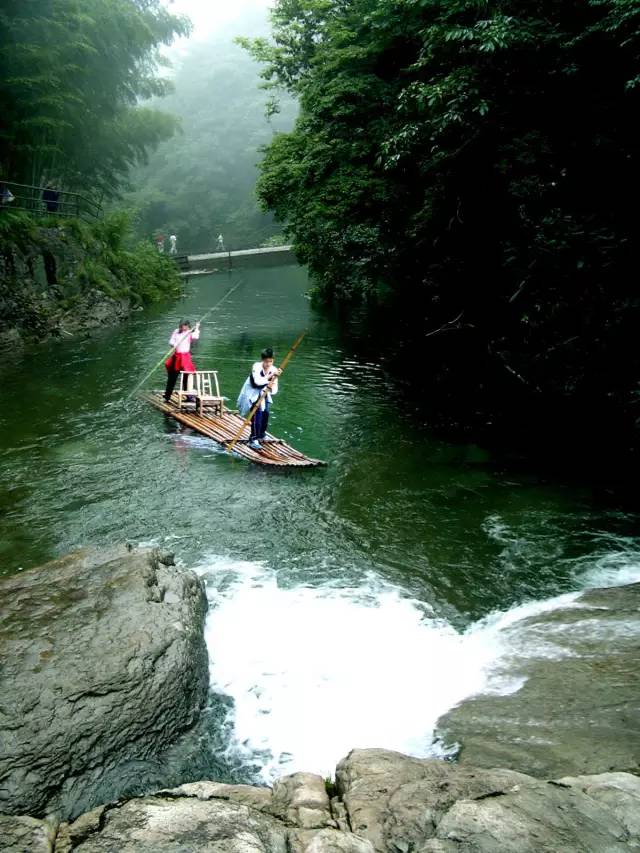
(350, 605)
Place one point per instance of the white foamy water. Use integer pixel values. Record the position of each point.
(316, 671)
(614, 568)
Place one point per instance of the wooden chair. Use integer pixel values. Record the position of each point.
(200, 387)
(206, 380)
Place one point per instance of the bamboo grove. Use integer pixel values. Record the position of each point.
(73, 73)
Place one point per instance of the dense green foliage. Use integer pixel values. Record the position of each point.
(479, 161)
(55, 272)
(123, 267)
(71, 75)
(202, 181)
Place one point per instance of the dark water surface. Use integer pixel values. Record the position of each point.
(396, 517)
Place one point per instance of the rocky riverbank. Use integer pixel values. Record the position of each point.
(382, 802)
(63, 277)
(577, 706)
(103, 666)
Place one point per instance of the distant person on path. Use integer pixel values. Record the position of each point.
(220, 244)
(160, 243)
(172, 244)
(51, 198)
(180, 358)
(263, 375)
(6, 196)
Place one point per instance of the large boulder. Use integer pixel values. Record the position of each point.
(104, 664)
(158, 824)
(403, 804)
(578, 709)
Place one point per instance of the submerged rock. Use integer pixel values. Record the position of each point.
(388, 803)
(578, 709)
(104, 664)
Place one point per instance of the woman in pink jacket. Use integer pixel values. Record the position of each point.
(180, 359)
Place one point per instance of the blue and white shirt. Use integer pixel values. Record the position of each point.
(253, 387)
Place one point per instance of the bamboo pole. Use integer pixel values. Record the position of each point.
(265, 391)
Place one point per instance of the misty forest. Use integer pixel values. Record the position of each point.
(392, 241)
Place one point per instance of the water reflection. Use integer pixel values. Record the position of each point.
(81, 463)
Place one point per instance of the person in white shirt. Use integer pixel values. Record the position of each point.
(220, 243)
(264, 374)
(180, 359)
(172, 244)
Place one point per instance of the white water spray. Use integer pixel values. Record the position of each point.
(316, 671)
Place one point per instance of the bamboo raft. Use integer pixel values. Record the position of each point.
(223, 428)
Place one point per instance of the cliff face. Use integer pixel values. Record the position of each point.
(60, 277)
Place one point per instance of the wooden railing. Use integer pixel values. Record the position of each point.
(47, 201)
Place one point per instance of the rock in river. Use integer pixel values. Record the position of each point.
(577, 709)
(103, 664)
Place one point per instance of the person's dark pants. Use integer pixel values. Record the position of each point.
(172, 378)
(259, 423)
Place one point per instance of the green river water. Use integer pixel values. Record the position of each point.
(395, 550)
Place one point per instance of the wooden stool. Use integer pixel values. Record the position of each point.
(205, 382)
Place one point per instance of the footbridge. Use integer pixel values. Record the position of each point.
(240, 253)
(208, 262)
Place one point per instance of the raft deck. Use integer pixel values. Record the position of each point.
(224, 428)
